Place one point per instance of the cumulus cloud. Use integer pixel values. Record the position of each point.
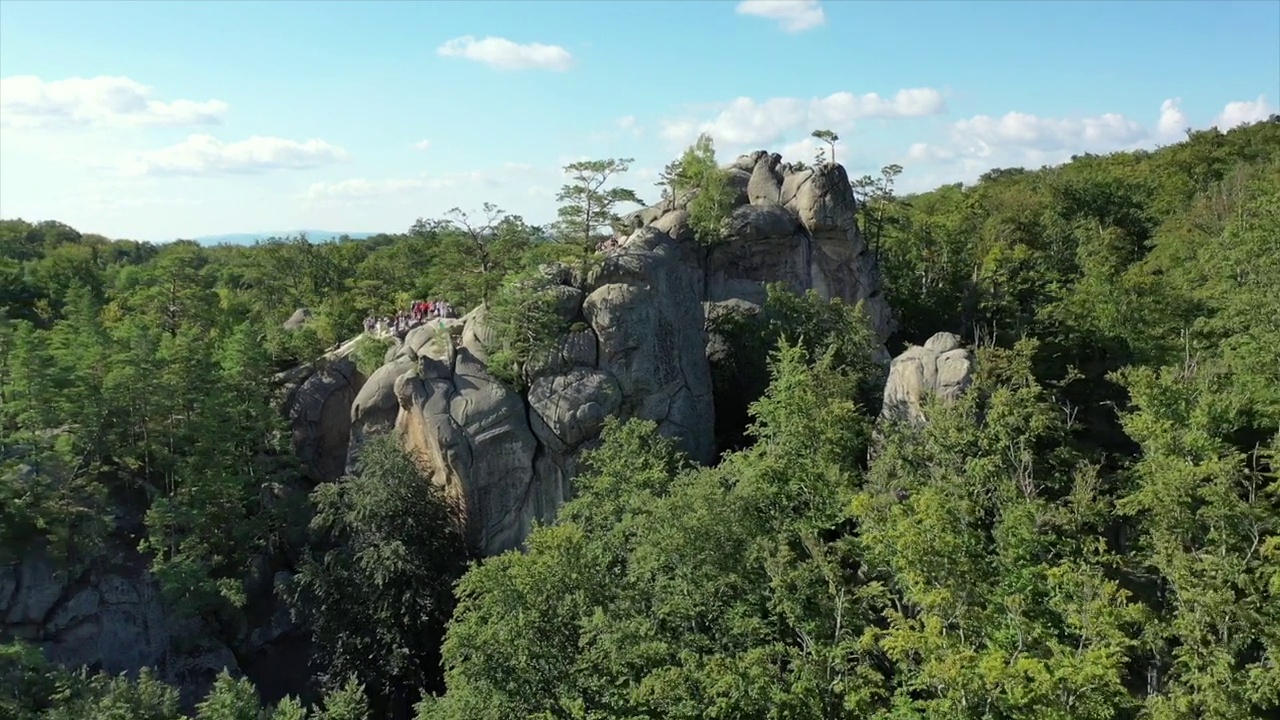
(979, 143)
(1110, 131)
(206, 155)
(793, 16)
(507, 55)
(745, 122)
(27, 101)
(1172, 120)
(1243, 112)
(975, 145)
(422, 145)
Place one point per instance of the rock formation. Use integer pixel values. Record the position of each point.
(318, 405)
(109, 615)
(941, 367)
(300, 317)
(638, 348)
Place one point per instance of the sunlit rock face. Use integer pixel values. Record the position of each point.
(638, 348)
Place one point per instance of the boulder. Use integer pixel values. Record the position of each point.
(109, 614)
(300, 317)
(941, 367)
(319, 413)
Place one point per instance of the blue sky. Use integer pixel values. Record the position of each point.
(154, 120)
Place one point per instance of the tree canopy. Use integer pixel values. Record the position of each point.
(1091, 531)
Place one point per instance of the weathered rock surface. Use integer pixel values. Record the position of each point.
(795, 226)
(300, 317)
(319, 413)
(941, 367)
(109, 615)
(638, 348)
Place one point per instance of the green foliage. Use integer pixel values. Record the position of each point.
(525, 323)
(830, 138)
(32, 688)
(668, 592)
(587, 206)
(1005, 559)
(377, 591)
(471, 262)
(741, 373)
(711, 196)
(230, 699)
(1092, 531)
(369, 353)
(348, 702)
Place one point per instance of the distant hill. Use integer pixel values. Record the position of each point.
(249, 238)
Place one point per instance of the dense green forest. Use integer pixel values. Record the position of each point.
(1092, 531)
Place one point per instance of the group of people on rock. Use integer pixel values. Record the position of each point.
(419, 311)
(609, 244)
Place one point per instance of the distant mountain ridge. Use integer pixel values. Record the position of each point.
(249, 238)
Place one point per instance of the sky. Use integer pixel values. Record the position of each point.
(157, 120)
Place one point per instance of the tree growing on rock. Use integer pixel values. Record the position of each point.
(830, 138)
(377, 601)
(481, 250)
(587, 205)
(712, 203)
(526, 323)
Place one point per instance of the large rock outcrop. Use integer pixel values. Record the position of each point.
(318, 406)
(941, 367)
(637, 347)
(108, 614)
(794, 225)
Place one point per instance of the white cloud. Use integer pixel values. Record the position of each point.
(792, 15)
(627, 122)
(806, 150)
(745, 122)
(422, 145)
(1242, 112)
(1102, 133)
(1172, 120)
(26, 101)
(362, 189)
(206, 155)
(507, 55)
(978, 144)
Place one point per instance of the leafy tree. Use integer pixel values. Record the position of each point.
(711, 203)
(587, 205)
(525, 323)
(377, 594)
(830, 138)
(230, 699)
(348, 702)
(876, 202)
(472, 262)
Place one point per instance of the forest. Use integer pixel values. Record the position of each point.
(1091, 532)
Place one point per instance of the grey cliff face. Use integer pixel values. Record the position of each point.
(109, 615)
(639, 348)
(794, 226)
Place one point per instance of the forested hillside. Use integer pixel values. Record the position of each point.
(1091, 531)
